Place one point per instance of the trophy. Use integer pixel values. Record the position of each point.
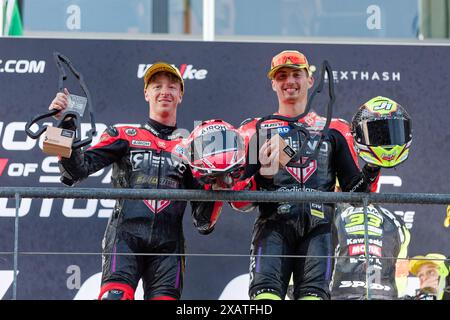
(286, 154)
(65, 135)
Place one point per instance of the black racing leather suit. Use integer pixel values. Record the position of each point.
(299, 228)
(147, 157)
(388, 238)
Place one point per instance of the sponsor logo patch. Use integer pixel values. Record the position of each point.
(358, 249)
(141, 143)
(156, 206)
(307, 172)
(131, 132)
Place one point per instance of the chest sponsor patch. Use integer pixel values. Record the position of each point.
(305, 173)
(143, 160)
(156, 206)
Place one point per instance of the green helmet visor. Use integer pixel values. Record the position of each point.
(383, 132)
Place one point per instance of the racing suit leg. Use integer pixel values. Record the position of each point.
(163, 274)
(269, 276)
(312, 274)
(120, 265)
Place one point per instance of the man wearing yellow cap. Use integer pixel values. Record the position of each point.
(149, 157)
(302, 229)
(432, 271)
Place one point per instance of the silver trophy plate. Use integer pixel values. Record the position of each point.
(76, 104)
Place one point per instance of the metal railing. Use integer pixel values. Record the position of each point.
(200, 195)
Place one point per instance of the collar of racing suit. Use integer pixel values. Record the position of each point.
(159, 129)
(310, 118)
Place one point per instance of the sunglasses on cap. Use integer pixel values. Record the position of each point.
(289, 58)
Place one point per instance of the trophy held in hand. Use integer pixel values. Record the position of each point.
(65, 135)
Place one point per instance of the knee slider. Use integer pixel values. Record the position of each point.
(116, 291)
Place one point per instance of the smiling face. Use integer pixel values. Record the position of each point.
(291, 86)
(163, 94)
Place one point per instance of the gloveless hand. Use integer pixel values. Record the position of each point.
(60, 102)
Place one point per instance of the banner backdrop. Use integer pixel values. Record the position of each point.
(223, 80)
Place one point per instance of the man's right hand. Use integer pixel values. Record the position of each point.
(60, 102)
(269, 156)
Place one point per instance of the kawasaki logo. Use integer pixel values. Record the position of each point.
(187, 71)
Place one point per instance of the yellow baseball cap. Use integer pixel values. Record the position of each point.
(162, 67)
(291, 59)
(434, 258)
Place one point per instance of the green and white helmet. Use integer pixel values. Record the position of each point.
(382, 132)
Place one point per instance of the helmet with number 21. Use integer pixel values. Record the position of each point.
(382, 132)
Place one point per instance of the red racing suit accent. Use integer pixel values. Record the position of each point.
(339, 128)
(148, 157)
(343, 127)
